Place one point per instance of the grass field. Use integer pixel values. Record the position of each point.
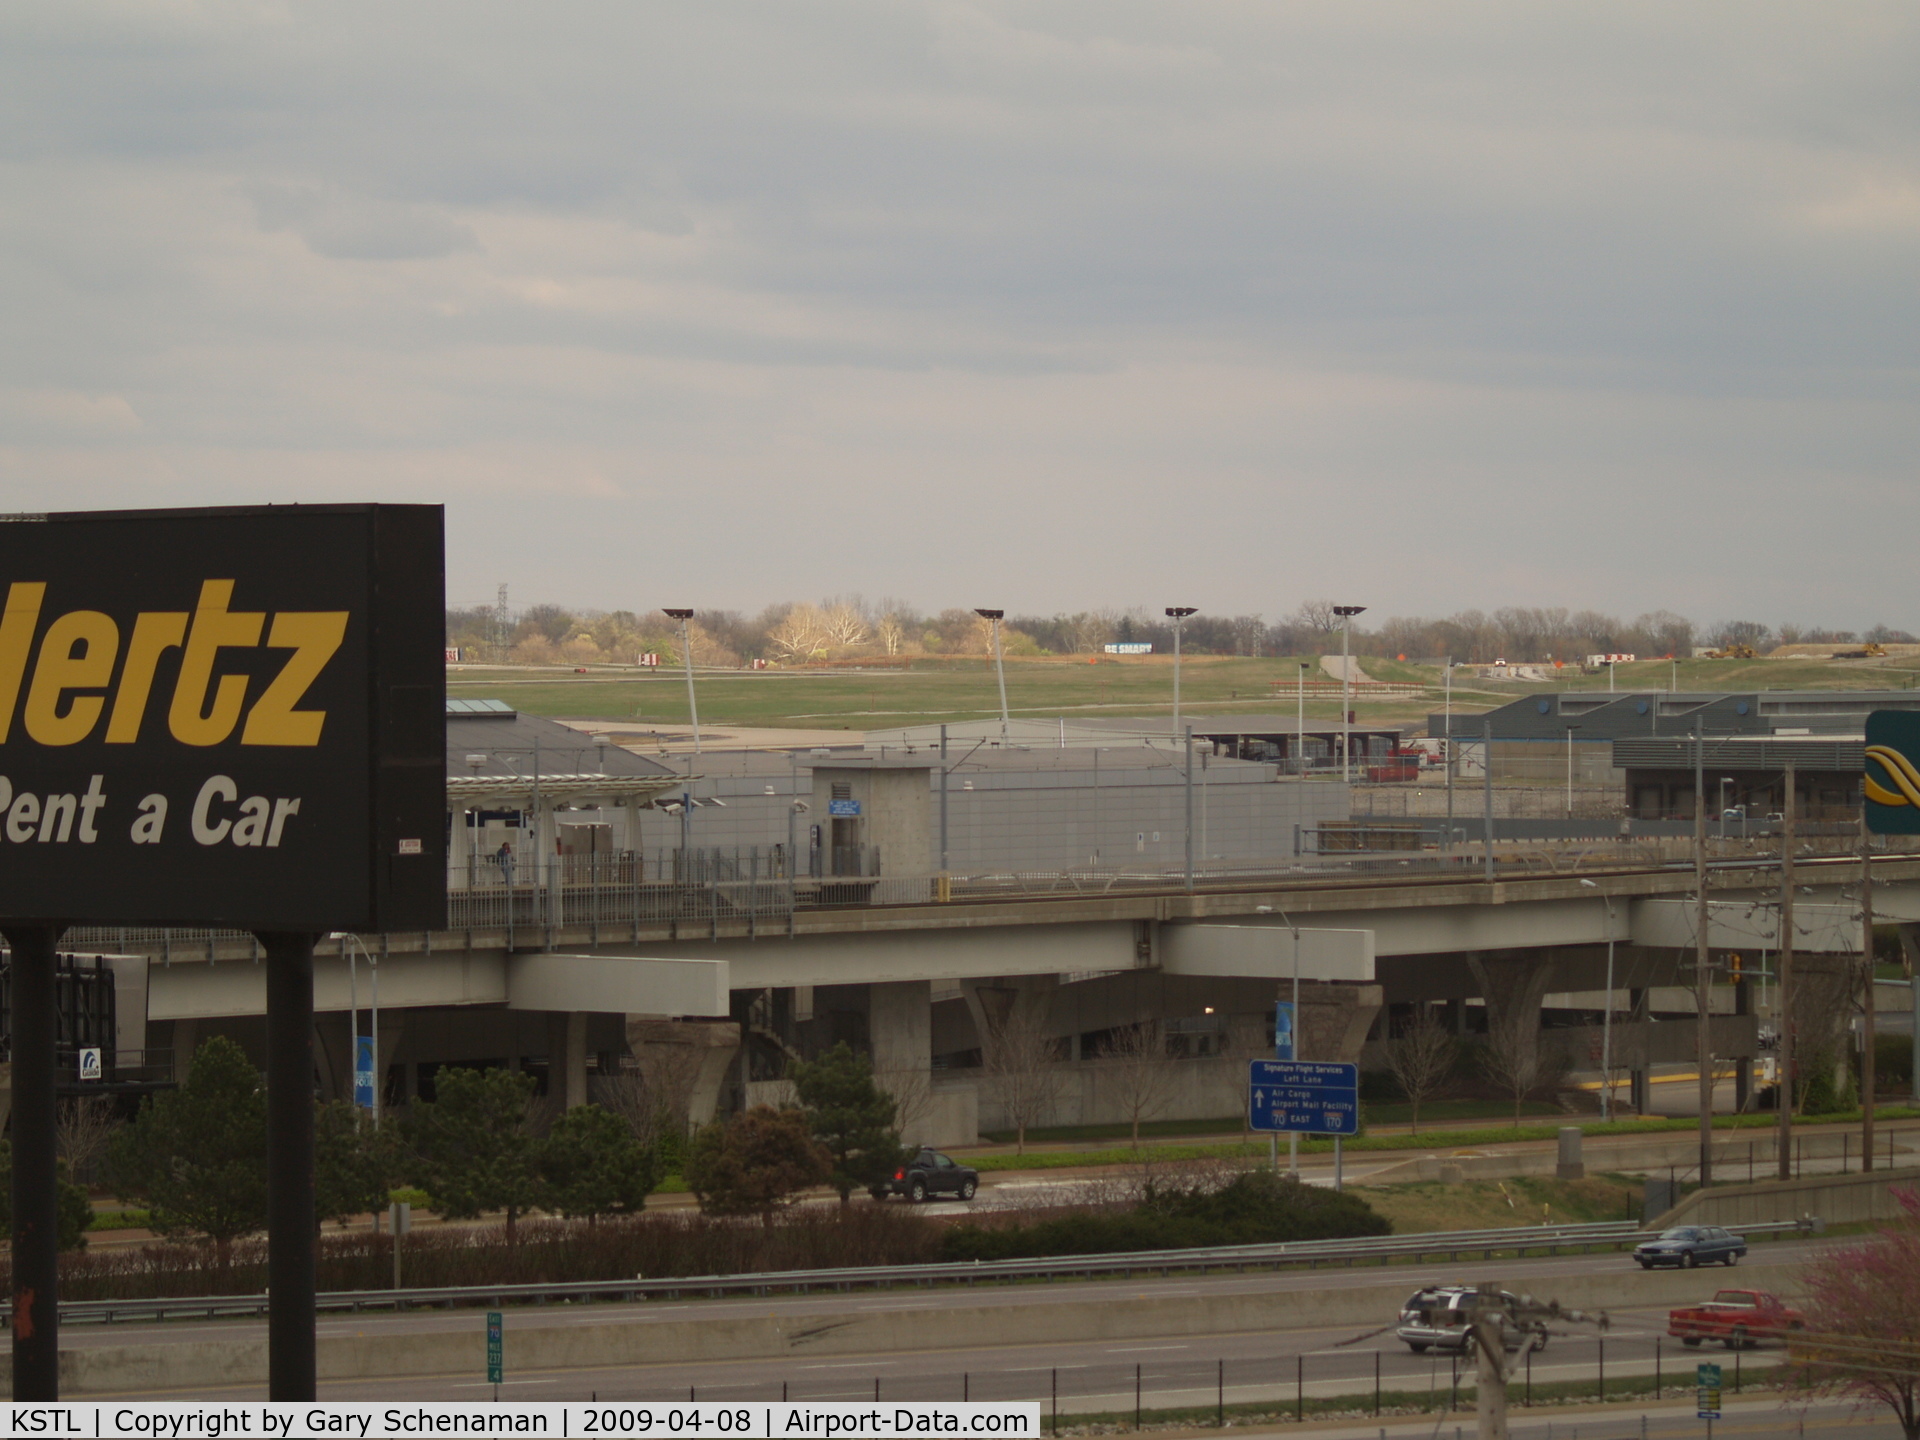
(931, 692)
(934, 691)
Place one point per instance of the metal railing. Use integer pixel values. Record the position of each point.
(539, 905)
(1383, 1250)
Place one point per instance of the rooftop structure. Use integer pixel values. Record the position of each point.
(1607, 715)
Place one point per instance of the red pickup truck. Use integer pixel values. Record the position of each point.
(1739, 1319)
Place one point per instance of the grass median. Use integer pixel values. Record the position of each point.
(1453, 1139)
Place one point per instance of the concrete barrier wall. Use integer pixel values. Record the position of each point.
(1732, 1151)
(1836, 1199)
(1120, 1314)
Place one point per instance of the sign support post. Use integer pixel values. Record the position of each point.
(292, 1371)
(36, 1192)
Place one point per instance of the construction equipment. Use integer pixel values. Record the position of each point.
(1872, 650)
(1733, 652)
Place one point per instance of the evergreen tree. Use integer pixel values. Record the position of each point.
(755, 1163)
(354, 1165)
(472, 1144)
(75, 1210)
(196, 1156)
(592, 1165)
(850, 1116)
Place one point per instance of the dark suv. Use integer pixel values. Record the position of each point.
(928, 1174)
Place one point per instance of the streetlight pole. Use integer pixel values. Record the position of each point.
(1346, 614)
(686, 655)
(1446, 743)
(1606, 1030)
(1570, 730)
(1703, 956)
(993, 619)
(1177, 614)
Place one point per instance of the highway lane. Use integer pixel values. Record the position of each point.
(1525, 1273)
(1268, 1365)
(1271, 1366)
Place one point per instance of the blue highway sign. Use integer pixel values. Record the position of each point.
(1312, 1097)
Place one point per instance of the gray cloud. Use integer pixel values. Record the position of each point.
(1476, 304)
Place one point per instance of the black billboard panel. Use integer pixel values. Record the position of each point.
(228, 717)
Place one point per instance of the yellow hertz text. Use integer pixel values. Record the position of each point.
(1900, 770)
(67, 694)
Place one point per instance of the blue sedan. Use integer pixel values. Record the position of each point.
(1690, 1245)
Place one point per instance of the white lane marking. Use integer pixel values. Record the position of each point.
(1026, 1369)
(488, 1384)
(850, 1365)
(1132, 1349)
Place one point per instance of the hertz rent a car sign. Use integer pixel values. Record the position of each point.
(226, 717)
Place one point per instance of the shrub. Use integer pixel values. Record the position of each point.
(1257, 1207)
(545, 1252)
(755, 1163)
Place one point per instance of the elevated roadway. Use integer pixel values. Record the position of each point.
(1346, 923)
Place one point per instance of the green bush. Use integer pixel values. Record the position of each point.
(1256, 1208)
(1893, 1062)
(1823, 1097)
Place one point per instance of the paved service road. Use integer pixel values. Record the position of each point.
(1175, 1370)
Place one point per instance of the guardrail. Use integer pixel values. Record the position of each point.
(1311, 1253)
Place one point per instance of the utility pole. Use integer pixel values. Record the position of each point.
(1703, 957)
(1867, 1056)
(1783, 1063)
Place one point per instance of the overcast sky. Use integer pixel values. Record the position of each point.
(1044, 305)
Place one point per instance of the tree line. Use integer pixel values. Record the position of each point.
(195, 1157)
(843, 627)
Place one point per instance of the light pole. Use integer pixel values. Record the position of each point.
(348, 943)
(1346, 614)
(993, 619)
(686, 654)
(1446, 742)
(1569, 799)
(1177, 614)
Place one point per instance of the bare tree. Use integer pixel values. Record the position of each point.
(1421, 1059)
(891, 631)
(1512, 1057)
(1317, 615)
(800, 633)
(1140, 1071)
(912, 1094)
(844, 623)
(653, 1093)
(81, 1133)
(1023, 1068)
